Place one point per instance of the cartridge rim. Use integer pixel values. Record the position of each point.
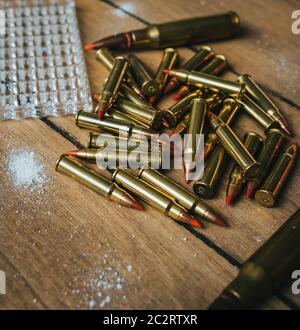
(222, 57)
(264, 198)
(170, 49)
(114, 174)
(150, 87)
(203, 189)
(58, 161)
(76, 117)
(208, 48)
(235, 20)
(243, 76)
(101, 50)
(142, 169)
(276, 130)
(274, 124)
(169, 116)
(254, 134)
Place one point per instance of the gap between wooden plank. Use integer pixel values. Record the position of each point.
(194, 49)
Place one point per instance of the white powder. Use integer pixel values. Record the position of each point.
(26, 171)
(258, 239)
(92, 304)
(105, 301)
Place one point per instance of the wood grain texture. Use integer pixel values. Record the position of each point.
(56, 247)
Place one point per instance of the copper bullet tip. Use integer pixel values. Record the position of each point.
(285, 129)
(228, 200)
(220, 222)
(195, 223)
(177, 96)
(152, 100)
(72, 153)
(173, 133)
(137, 205)
(100, 115)
(211, 115)
(89, 47)
(169, 87)
(249, 192)
(251, 185)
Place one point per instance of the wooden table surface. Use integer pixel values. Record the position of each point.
(63, 246)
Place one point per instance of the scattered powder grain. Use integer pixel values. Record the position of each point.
(26, 171)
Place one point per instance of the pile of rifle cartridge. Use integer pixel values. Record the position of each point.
(205, 104)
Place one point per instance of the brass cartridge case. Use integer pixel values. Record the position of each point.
(262, 274)
(103, 140)
(267, 194)
(253, 143)
(168, 61)
(147, 115)
(120, 157)
(110, 125)
(215, 66)
(133, 97)
(125, 118)
(235, 148)
(202, 56)
(271, 148)
(128, 94)
(116, 114)
(182, 126)
(104, 56)
(187, 31)
(228, 112)
(258, 114)
(180, 195)
(113, 84)
(180, 108)
(213, 169)
(148, 194)
(204, 80)
(93, 180)
(213, 100)
(260, 97)
(147, 84)
(195, 128)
